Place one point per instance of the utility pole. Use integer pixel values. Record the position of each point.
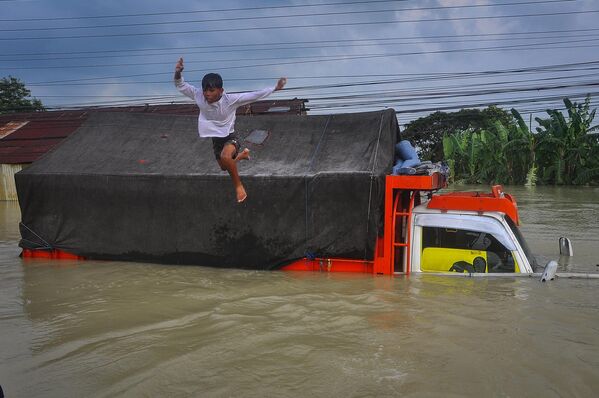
(530, 123)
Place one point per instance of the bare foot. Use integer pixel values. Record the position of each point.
(241, 194)
(245, 154)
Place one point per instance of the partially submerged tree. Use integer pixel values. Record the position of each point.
(477, 156)
(567, 153)
(563, 151)
(14, 97)
(521, 151)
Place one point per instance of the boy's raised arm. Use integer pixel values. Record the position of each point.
(281, 83)
(252, 96)
(184, 88)
(178, 69)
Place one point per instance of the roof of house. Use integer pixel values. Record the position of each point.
(24, 137)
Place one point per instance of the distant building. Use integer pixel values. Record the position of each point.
(24, 137)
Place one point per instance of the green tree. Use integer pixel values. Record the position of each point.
(566, 152)
(478, 156)
(426, 133)
(14, 97)
(456, 150)
(520, 151)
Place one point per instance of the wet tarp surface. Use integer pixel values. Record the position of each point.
(147, 188)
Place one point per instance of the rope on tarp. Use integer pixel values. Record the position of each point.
(374, 164)
(316, 150)
(47, 245)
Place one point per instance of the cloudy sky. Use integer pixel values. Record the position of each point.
(415, 56)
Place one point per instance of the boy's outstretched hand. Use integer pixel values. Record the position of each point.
(179, 67)
(281, 83)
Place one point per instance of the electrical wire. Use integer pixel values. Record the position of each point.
(273, 44)
(420, 91)
(199, 11)
(264, 17)
(336, 46)
(344, 3)
(543, 85)
(262, 28)
(527, 46)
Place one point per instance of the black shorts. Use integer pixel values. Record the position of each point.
(218, 143)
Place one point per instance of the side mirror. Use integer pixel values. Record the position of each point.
(565, 247)
(550, 270)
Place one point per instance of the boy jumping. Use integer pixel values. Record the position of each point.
(217, 119)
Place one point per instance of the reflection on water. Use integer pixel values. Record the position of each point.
(104, 329)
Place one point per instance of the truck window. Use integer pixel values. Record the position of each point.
(458, 250)
(527, 252)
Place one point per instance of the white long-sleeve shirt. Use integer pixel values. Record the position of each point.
(218, 118)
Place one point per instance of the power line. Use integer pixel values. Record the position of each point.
(506, 102)
(412, 77)
(408, 77)
(255, 28)
(430, 93)
(315, 109)
(408, 97)
(199, 11)
(378, 104)
(475, 88)
(380, 93)
(373, 103)
(331, 59)
(263, 17)
(271, 49)
(453, 106)
(272, 44)
(527, 46)
(344, 3)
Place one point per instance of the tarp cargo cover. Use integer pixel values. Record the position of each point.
(146, 188)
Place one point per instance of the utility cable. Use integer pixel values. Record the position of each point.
(336, 46)
(527, 46)
(272, 44)
(200, 11)
(344, 3)
(329, 25)
(264, 17)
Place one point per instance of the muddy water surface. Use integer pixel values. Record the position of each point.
(106, 329)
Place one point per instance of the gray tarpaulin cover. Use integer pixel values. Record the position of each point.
(145, 187)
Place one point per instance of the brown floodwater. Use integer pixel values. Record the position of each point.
(106, 329)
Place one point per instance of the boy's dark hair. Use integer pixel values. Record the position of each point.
(212, 80)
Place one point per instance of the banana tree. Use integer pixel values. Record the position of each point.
(456, 155)
(473, 156)
(564, 147)
(493, 166)
(520, 151)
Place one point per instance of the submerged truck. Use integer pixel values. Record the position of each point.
(429, 232)
(134, 187)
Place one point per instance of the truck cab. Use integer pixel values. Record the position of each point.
(467, 241)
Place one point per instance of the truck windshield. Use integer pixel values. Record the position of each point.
(523, 244)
